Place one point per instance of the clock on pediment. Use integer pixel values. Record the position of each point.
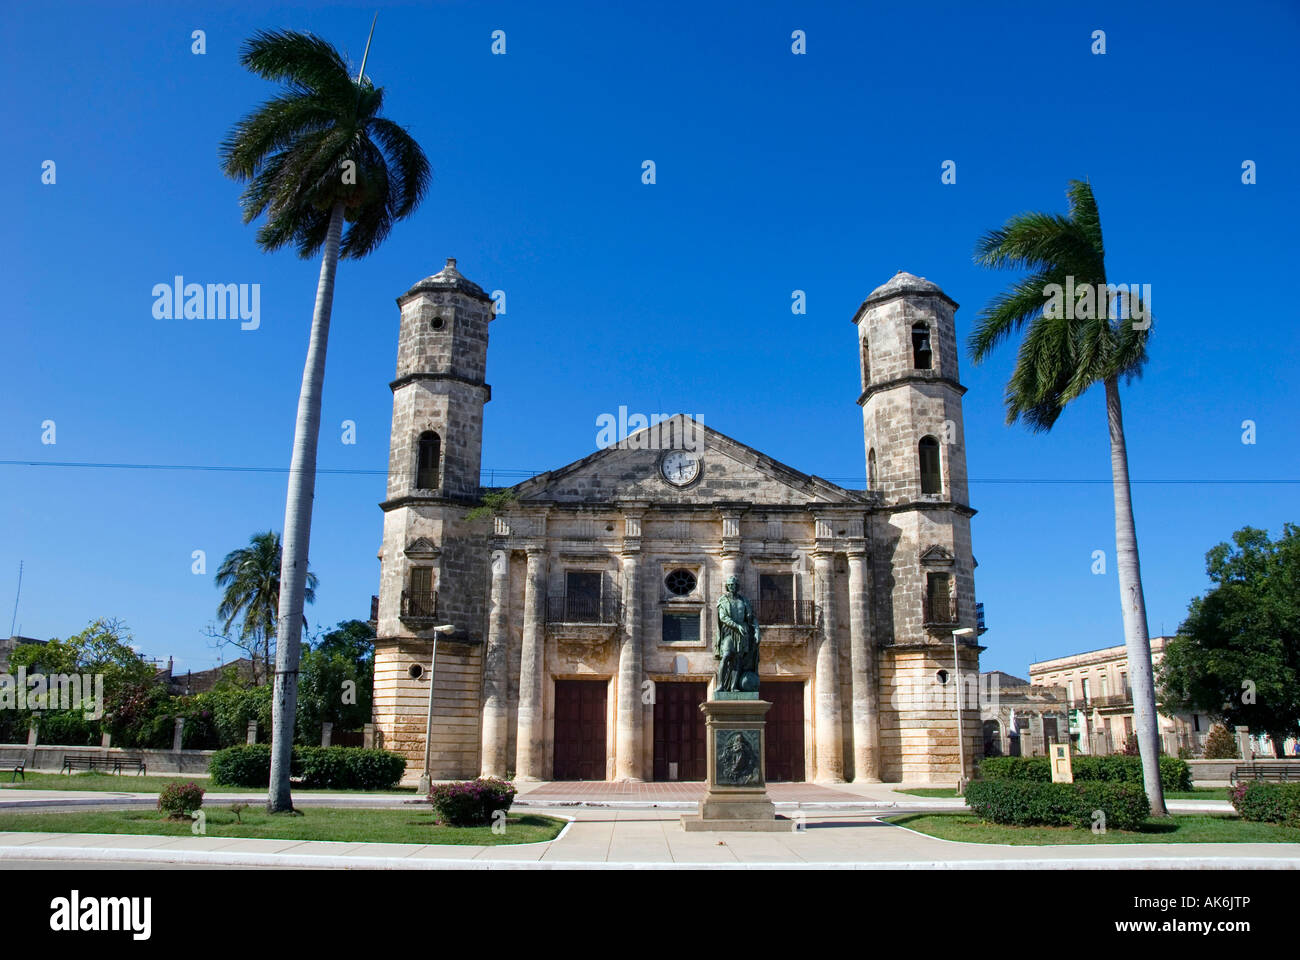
(680, 467)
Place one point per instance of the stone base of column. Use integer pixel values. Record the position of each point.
(736, 799)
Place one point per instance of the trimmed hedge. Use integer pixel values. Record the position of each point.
(340, 768)
(348, 768)
(1268, 802)
(1029, 803)
(1175, 774)
(471, 803)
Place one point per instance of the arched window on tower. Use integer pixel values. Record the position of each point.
(427, 461)
(866, 365)
(931, 480)
(871, 469)
(921, 352)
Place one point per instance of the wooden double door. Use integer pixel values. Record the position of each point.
(680, 752)
(580, 743)
(785, 730)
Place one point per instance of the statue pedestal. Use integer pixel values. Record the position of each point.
(735, 736)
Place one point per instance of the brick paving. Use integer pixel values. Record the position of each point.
(598, 790)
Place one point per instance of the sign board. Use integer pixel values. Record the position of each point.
(1062, 772)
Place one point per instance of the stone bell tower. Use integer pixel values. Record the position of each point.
(432, 559)
(923, 569)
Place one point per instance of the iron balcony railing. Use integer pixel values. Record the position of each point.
(783, 612)
(940, 610)
(582, 609)
(419, 605)
(1112, 700)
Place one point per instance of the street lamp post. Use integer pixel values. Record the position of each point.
(425, 782)
(961, 739)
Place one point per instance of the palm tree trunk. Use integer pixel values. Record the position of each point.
(1134, 607)
(297, 526)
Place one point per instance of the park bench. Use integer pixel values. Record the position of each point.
(131, 763)
(1272, 772)
(111, 764)
(17, 766)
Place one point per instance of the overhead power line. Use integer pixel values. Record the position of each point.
(515, 472)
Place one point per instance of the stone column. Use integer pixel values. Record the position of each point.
(862, 656)
(627, 742)
(496, 706)
(830, 743)
(251, 732)
(531, 760)
(326, 733)
(177, 733)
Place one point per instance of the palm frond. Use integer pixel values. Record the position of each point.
(303, 60)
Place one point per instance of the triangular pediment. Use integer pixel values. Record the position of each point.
(657, 464)
(422, 547)
(937, 555)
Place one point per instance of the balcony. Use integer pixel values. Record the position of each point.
(940, 611)
(580, 609)
(1113, 700)
(784, 621)
(419, 607)
(786, 613)
(583, 619)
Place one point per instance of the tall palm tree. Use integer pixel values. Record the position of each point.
(314, 157)
(251, 578)
(1068, 347)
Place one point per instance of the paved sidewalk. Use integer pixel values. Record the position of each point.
(653, 839)
(569, 795)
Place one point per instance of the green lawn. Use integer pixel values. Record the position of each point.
(317, 823)
(1192, 828)
(128, 783)
(1199, 793)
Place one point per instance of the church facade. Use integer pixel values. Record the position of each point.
(579, 613)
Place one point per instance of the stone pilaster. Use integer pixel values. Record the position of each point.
(862, 657)
(830, 742)
(627, 742)
(531, 747)
(496, 708)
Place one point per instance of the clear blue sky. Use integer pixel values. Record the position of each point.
(775, 172)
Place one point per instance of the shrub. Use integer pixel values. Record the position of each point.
(1030, 803)
(347, 768)
(180, 798)
(1175, 774)
(340, 768)
(1017, 768)
(471, 803)
(248, 765)
(1220, 744)
(1268, 802)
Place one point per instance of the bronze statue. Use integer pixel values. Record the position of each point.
(736, 646)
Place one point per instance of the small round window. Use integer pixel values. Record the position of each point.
(437, 323)
(415, 671)
(680, 582)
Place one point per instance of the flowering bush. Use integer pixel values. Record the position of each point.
(1267, 802)
(180, 798)
(471, 803)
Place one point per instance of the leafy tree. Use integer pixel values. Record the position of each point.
(251, 578)
(104, 649)
(1237, 655)
(314, 156)
(336, 681)
(1066, 349)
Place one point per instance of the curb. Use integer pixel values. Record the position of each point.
(217, 858)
